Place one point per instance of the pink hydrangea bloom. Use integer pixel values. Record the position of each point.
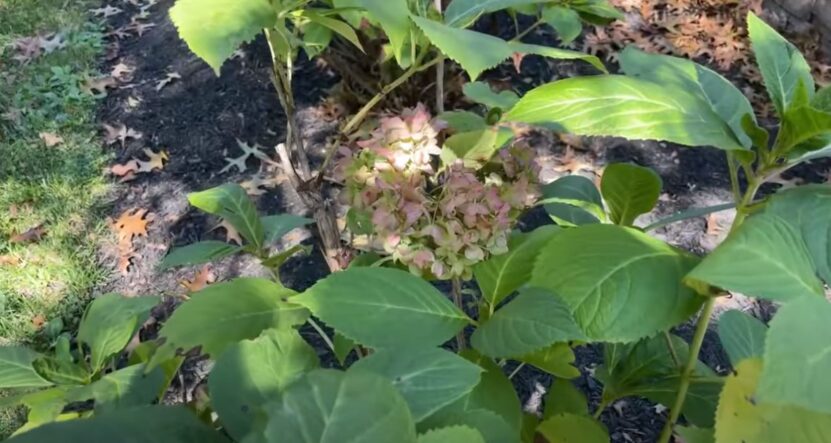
(439, 224)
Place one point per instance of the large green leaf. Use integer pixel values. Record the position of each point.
(44, 406)
(564, 398)
(328, 406)
(743, 417)
(16, 369)
(501, 275)
(798, 356)
(725, 99)
(251, 373)
(198, 253)
(231, 202)
(110, 322)
(225, 313)
(779, 252)
(492, 406)
(428, 378)
(742, 336)
(557, 359)
(276, 226)
(534, 320)
(214, 29)
(122, 389)
(783, 67)
(394, 18)
(61, 372)
(629, 190)
(647, 369)
(490, 51)
(150, 424)
(406, 311)
(568, 428)
(452, 434)
(462, 13)
(692, 434)
(619, 283)
(614, 105)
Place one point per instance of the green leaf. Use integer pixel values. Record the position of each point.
(564, 398)
(337, 26)
(692, 434)
(44, 406)
(764, 258)
(598, 12)
(198, 253)
(647, 369)
(329, 406)
(568, 428)
(629, 190)
(316, 38)
(801, 124)
(16, 369)
(533, 320)
(276, 226)
(225, 313)
(251, 373)
(565, 21)
(394, 18)
(463, 121)
(150, 424)
(822, 99)
(343, 347)
(125, 388)
(742, 417)
(422, 315)
(462, 13)
(490, 51)
(61, 372)
(557, 359)
(780, 62)
(742, 336)
(613, 105)
(452, 434)
(798, 356)
(501, 275)
(619, 283)
(110, 322)
(481, 92)
(428, 378)
(230, 202)
(214, 29)
(725, 99)
(573, 200)
(492, 407)
(475, 148)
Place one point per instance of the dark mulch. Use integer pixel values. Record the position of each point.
(199, 118)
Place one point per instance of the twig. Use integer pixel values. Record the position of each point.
(322, 334)
(516, 371)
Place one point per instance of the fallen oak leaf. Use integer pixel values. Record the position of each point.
(132, 223)
(31, 235)
(106, 11)
(253, 187)
(97, 86)
(156, 161)
(51, 139)
(52, 44)
(231, 233)
(119, 133)
(126, 171)
(200, 281)
(167, 80)
(122, 72)
(140, 28)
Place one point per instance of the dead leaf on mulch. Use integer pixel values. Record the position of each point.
(258, 184)
(247, 151)
(231, 233)
(167, 80)
(98, 86)
(106, 11)
(572, 163)
(122, 72)
(29, 48)
(119, 133)
(51, 139)
(31, 235)
(128, 171)
(130, 224)
(200, 281)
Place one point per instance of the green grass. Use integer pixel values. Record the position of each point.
(61, 187)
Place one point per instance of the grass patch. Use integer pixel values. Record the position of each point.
(44, 285)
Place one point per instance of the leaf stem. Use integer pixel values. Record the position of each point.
(322, 333)
(672, 350)
(686, 376)
(516, 371)
(604, 403)
(528, 30)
